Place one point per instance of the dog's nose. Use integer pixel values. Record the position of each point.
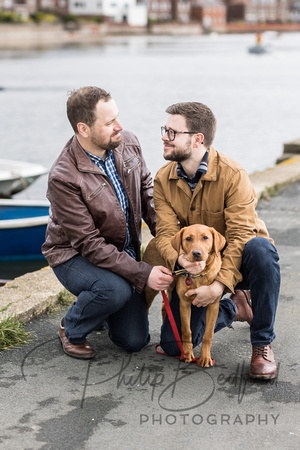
(197, 255)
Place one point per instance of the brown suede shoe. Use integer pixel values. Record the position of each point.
(82, 351)
(242, 301)
(263, 364)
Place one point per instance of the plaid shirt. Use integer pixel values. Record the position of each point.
(192, 182)
(109, 168)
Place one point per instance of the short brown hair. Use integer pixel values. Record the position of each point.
(81, 105)
(199, 118)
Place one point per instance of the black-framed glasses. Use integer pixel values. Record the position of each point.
(172, 133)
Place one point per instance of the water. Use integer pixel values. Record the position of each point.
(255, 98)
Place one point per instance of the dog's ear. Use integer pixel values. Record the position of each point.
(219, 240)
(176, 240)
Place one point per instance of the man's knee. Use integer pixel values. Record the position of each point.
(131, 344)
(136, 346)
(260, 251)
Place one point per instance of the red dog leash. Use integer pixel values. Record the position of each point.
(175, 331)
(173, 324)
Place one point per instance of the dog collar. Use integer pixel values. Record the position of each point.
(186, 274)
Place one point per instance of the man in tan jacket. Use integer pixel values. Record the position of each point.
(201, 185)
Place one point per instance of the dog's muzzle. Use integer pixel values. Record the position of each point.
(197, 255)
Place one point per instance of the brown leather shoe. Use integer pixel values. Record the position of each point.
(242, 301)
(263, 364)
(82, 351)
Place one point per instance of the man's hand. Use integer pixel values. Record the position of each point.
(206, 294)
(160, 278)
(194, 267)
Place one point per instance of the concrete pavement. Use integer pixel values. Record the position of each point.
(147, 400)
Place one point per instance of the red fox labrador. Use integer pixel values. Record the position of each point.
(198, 243)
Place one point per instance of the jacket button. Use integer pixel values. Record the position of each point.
(192, 208)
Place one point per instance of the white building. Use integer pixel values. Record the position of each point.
(119, 11)
(22, 7)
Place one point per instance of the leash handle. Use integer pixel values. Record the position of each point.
(173, 324)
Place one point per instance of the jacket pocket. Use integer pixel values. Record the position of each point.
(131, 163)
(215, 220)
(96, 192)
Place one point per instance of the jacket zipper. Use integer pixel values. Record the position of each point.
(131, 208)
(97, 191)
(131, 168)
(128, 160)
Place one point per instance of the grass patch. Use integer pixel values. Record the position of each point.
(269, 193)
(5, 307)
(64, 298)
(13, 333)
(273, 191)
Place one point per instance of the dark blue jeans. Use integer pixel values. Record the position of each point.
(103, 296)
(261, 274)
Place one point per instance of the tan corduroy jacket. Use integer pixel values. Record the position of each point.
(224, 198)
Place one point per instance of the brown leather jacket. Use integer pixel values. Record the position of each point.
(86, 217)
(224, 199)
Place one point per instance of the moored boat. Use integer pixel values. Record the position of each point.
(259, 48)
(17, 175)
(22, 229)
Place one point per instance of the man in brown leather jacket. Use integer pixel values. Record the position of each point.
(201, 185)
(99, 190)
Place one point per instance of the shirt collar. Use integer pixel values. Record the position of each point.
(97, 159)
(202, 169)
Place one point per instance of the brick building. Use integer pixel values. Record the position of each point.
(258, 10)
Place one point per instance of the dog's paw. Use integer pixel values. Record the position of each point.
(205, 361)
(189, 356)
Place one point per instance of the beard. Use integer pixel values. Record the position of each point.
(179, 154)
(106, 144)
(114, 144)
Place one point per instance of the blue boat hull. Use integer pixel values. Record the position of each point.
(22, 230)
(22, 243)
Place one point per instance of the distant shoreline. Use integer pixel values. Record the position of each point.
(22, 36)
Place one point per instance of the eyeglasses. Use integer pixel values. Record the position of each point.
(172, 133)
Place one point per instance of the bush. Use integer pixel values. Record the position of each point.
(10, 17)
(69, 18)
(40, 17)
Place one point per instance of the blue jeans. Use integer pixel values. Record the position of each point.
(103, 296)
(261, 275)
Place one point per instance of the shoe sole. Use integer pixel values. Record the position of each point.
(71, 354)
(264, 377)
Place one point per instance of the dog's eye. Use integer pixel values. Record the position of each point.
(188, 239)
(204, 238)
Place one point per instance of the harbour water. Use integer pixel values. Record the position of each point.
(255, 98)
